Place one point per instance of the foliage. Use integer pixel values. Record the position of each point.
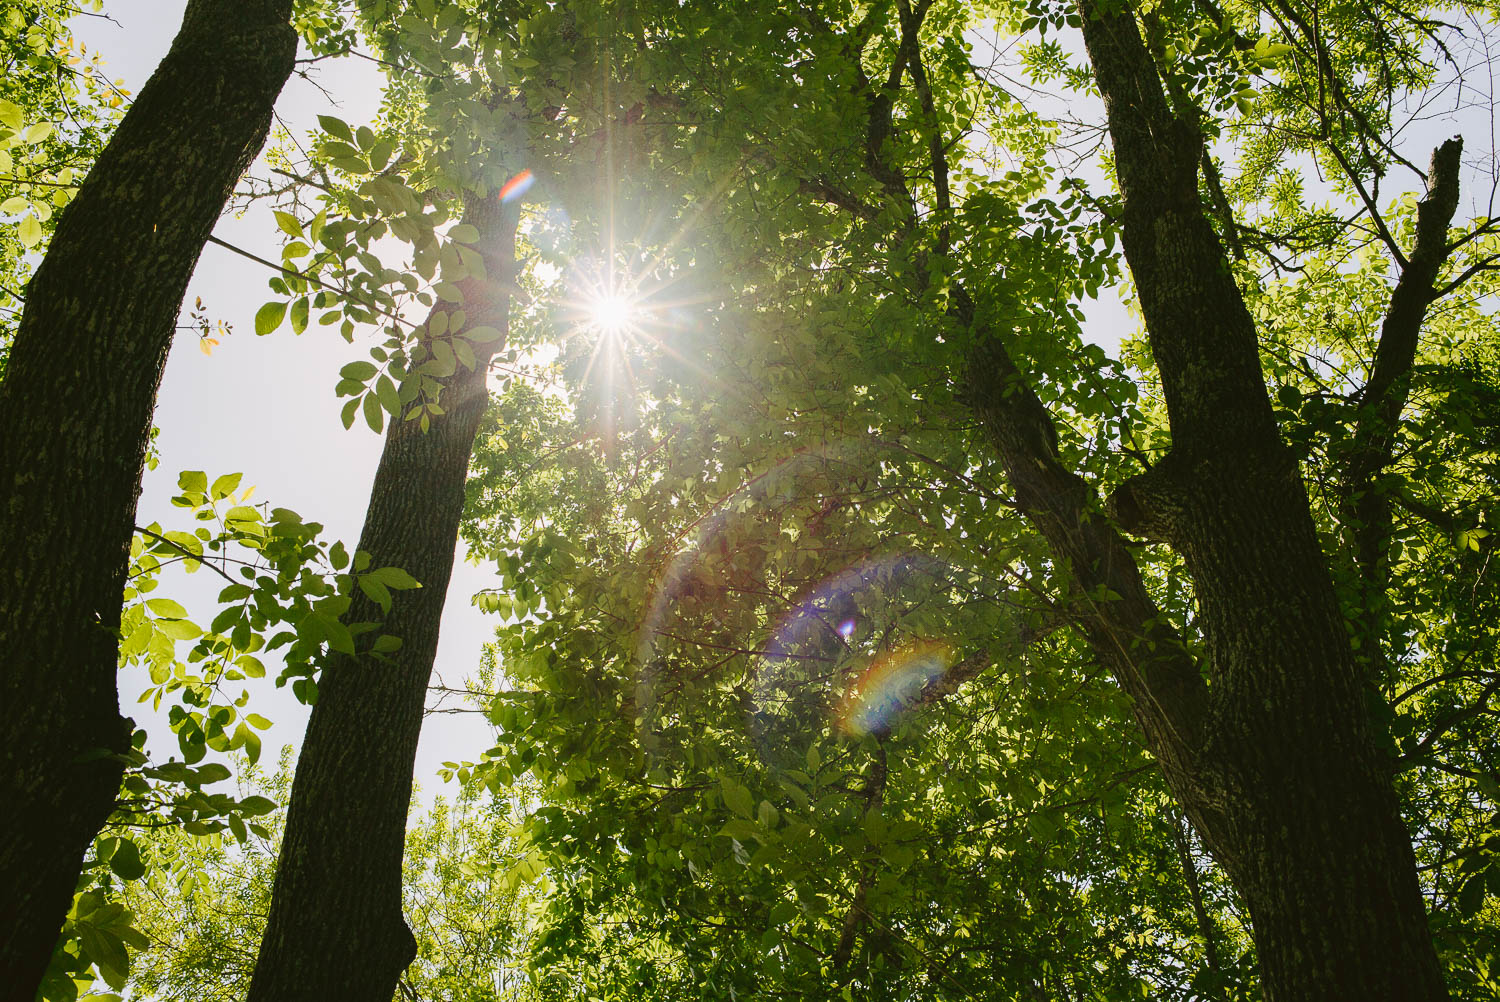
(745, 511)
(202, 909)
(286, 591)
(800, 692)
(56, 109)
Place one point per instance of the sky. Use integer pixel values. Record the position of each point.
(265, 406)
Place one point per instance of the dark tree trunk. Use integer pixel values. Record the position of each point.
(336, 929)
(75, 415)
(1283, 779)
(1266, 742)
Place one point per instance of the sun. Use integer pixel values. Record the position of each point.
(613, 314)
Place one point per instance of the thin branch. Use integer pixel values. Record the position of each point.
(188, 553)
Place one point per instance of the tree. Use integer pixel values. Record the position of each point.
(204, 906)
(75, 407)
(1285, 686)
(1251, 690)
(868, 638)
(56, 114)
(335, 925)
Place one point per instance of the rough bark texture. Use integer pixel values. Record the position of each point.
(1284, 780)
(1266, 741)
(1367, 506)
(75, 415)
(336, 929)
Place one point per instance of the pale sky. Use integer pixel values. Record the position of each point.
(265, 405)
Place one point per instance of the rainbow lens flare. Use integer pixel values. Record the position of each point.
(517, 186)
(893, 682)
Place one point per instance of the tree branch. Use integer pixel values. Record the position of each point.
(911, 24)
(874, 795)
(1366, 509)
(189, 554)
(1125, 627)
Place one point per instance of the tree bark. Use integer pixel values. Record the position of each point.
(1366, 505)
(1266, 741)
(336, 930)
(75, 418)
(1285, 783)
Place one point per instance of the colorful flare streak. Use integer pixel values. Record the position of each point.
(892, 682)
(516, 186)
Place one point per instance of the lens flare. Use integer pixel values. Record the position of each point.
(517, 186)
(893, 682)
(826, 607)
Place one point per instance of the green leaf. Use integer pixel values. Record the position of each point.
(389, 396)
(737, 798)
(740, 828)
(336, 127)
(299, 315)
(126, 861)
(108, 953)
(257, 721)
(288, 223)
(464, 233)
(484, 335)
(374, 413)
(250, 741)
(225, 485)
(166, 608)
(30, 231)
(180, 629)
(339, 637)
(1470, 897)
(394, 577)
(378, 593)
(380, 154)
(254, 807)
(464, 352)
(359, 372)
(269, 317)
(214, 772)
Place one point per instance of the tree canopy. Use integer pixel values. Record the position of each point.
(990, 500)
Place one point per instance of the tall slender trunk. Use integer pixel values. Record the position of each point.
(336, 930)
(75, 416)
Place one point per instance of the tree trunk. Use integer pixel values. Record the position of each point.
(336, 929)
(75, 416)
(1284, 780)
